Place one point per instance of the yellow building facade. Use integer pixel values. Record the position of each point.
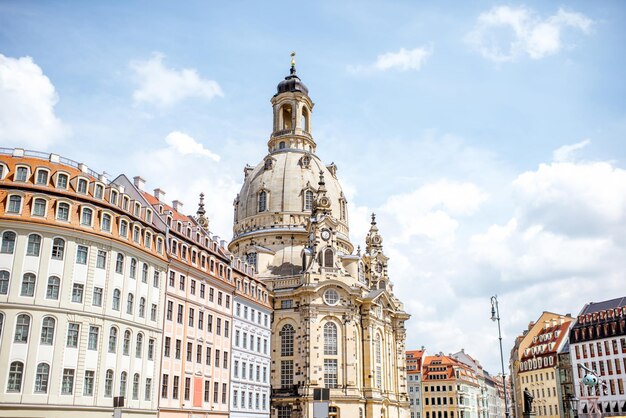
(337, 323)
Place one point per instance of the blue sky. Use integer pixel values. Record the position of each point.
(489, 136)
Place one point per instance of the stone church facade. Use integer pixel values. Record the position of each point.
(337, 323)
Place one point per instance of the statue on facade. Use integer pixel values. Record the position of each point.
(528, 401)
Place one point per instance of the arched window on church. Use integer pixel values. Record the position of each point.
(286, 117)
(282, 145)
(304, 122)
(262, 201)
(378, 361)
(330, 339)
(286, 340)
(328, 258)
(308, 200)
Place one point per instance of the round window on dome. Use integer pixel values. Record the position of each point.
(331, 297)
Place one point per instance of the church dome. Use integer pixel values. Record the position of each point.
(278, 194)
(291, 83)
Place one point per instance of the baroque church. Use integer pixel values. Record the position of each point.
(337, 323)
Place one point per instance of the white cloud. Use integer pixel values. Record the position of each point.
(162, 86)
(403, 60)
(185, 145)
(507, 33)
(184, 168)
(27, 101)
(566, 152)
(430, 210)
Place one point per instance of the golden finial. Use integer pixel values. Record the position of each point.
(293, 59)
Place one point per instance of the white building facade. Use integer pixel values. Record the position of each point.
(251, 364)
(81, 295)
(598, 342)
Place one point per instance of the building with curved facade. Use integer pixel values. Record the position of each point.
(81, 296)
(337, 323)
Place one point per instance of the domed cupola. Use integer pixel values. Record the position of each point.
(292, 115)
(278, 195)
(292, 82)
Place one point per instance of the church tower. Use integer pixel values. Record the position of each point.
(337, 323)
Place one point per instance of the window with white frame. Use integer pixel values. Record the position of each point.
(86, 216)
(21, 173)
(63, 211)
(62, 180)
(82, 186)
(39, 207)
(15, 204)
(42, 177)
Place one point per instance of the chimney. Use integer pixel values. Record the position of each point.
(223, 243)
(159, 193)
(139, 182)
(177, 205)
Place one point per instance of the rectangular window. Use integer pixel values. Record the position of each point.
(97, 296)
(219, 298)
(207, 391)
(77, 293)
(93, 338)
(202, 290)
(224, 393)
(67, 384)
(192, 287)
(164, 382)
(187, 387)
(286, 373)
(211, 292)
(208, 356)
(81, 254)
(226, 328)
(178, 346)
(151, 343)
(209, 326)
(72, 335)
(200, 320)
(218, 326)
(189, 351)
(167, 346)
(217, 358)
(191, 319)
(175, 387)
(170, 309)
(148, 394)
(199, 353)
(226, 359)
(216, 389)
(89, 379)
(179, 317)
(182, 282)
(171, 279)
(330, 373)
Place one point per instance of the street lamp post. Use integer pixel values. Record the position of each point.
(495, 315)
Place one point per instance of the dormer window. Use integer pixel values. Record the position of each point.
(268, 163)
(262, 201)
(106, 222)
(148, 216)
(125, 202)
(98, 191)
(169, 221)
(136, 234)
(62, 180)
(82, 186)
(42, 177)
(21, 174)
(137, 209)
